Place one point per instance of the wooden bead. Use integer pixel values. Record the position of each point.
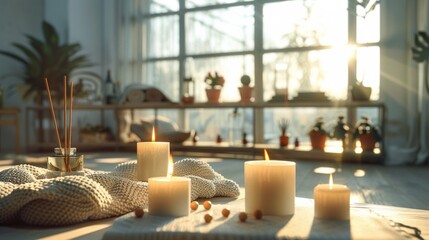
(194, 205)
(207, 205)
(226, 212)
(242, 216)
(139, 212)
(257, 214)
(208, 218)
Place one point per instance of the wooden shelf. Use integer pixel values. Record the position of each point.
(250, 151)
(224, 150)
(175, 105)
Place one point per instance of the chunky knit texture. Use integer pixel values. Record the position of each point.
(27, 196)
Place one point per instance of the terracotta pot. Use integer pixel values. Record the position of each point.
(361, 93)
(213, 95)
(367, 142)
(284, 141)
(318, 140)
(246, 93)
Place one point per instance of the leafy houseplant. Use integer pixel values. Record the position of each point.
(360, 92)
(47, 58)
(367, 134)
(214, 86)
(246, 89)
(284, 138)
(318, 135)
(340, 131)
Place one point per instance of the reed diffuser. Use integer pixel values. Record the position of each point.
(66, 161)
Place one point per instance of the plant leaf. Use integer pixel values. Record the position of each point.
(15, 57)
(30, 54)
(50, 34)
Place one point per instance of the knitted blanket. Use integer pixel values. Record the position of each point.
(27, 196)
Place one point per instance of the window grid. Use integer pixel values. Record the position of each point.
(258, 51)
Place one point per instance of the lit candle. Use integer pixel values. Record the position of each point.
(270, 186)
(152, 159)
(332, 201)
(169, 196)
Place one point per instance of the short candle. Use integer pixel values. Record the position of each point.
(152, 159)
(169, 196)
(270, 187)
(332, 201)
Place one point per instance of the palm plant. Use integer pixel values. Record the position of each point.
(47, 58)
(421, 53)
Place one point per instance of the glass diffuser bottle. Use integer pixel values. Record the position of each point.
(60, 165)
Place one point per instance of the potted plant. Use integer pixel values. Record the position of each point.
(284, 138)
(47, 58)
(340, 131)
(245, 90)
(214, 86)
(360, 92)
(318, 135)
(367, 134)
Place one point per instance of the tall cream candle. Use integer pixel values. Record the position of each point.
(332, 201)
(152, 159)
(270, 187)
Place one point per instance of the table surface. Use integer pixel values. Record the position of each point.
(366, 222)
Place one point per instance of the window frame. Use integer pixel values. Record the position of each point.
(258, 52)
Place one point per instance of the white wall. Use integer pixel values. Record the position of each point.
(17, 17)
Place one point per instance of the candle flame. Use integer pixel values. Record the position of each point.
(331, 181)
(267, 157)
(170, 166)
(153, 134)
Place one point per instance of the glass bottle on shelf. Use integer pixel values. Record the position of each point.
(189, 90)
(109, 89)
(235, 132)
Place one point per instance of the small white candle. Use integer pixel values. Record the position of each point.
(152, 159)
(169, 196)
(270, 186)
(332, 201)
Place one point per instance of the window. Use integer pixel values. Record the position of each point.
(296, 45)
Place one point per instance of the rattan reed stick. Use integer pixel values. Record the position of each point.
(53, 113)
(65, 123)
(70, 120)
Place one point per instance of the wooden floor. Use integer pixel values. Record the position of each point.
(401, 186)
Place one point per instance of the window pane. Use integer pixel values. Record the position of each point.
(199, 3)
(161, 37)
(324, 70)
(208, 123)
(305, 23)
(231, 68)
(229, 29)
(164, 76)
(368, 25)
(159, 6)
(368, 69)
(301, 120)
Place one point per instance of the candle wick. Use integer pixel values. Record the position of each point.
(331, 181)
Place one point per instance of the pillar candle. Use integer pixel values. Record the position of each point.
(169, 196)
(152, 159)
(270, 187)
(332, 201)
